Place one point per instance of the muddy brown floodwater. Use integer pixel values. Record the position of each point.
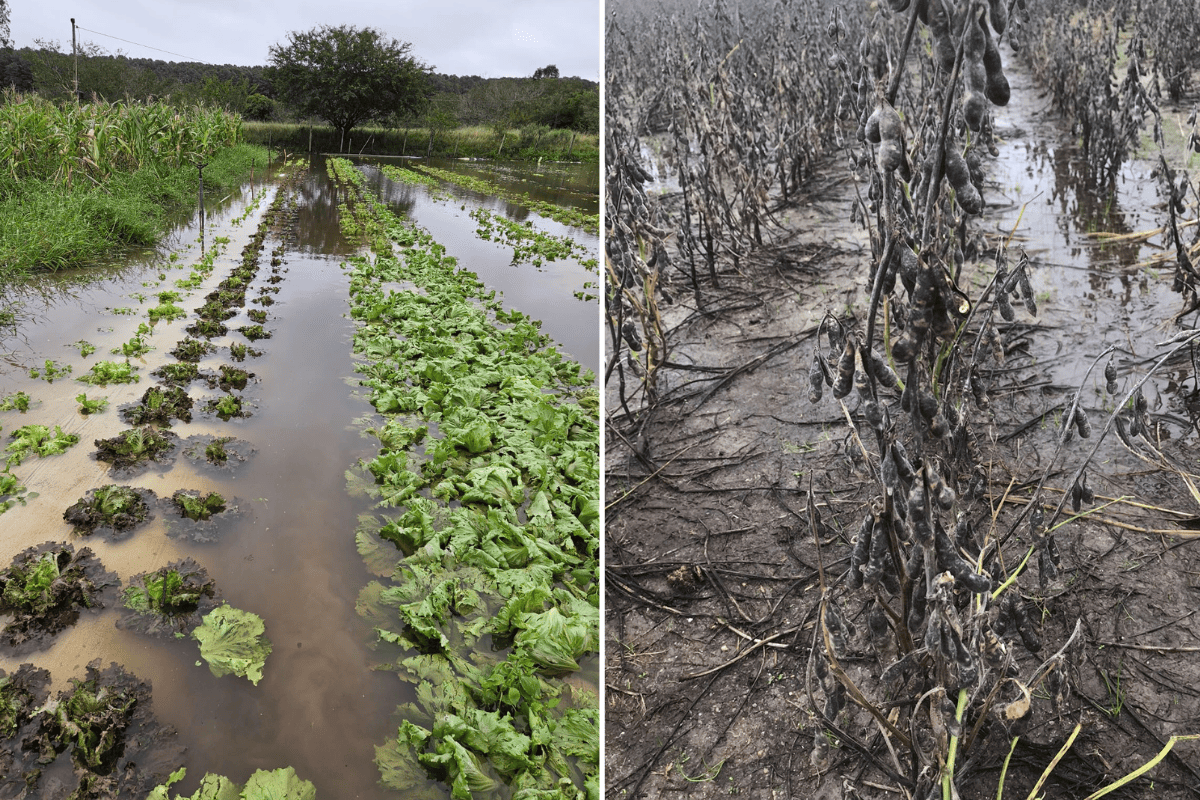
(712, 573)
(288, 553)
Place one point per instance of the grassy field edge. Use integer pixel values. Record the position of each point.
(47, 226)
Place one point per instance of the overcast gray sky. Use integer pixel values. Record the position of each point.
(489, 38)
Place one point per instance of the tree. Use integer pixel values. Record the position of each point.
(348, 76)
(100, 73)
(4, 17)
(15, 72)
(550, 71)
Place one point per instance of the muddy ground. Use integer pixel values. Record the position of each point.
(713, 573)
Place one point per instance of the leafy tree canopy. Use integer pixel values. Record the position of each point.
(347, 76)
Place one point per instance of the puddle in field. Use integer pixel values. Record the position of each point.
(544, 293)
(288, 554)
(561, 183)
(1094, 292)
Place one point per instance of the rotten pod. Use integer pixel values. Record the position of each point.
(629, 333)
(1005, 306)
(903, 464)
(816, 378)
(844, 377)
(875, 414)
(1081, 493)
(1024, 627)
(933, 632)
(939, 428)
(959, 176)
(917, 602)
(943, 495)
(968, 667)
(877, 626)
(879, 555)
(840, 631)
(905, 348)
(950, 560)
(1082, 423)
(998, 11)
(939, 30)
(927, 404)
(1110, 377)
(997, 89)
(978, 389)
(917, 517)
(861, 384)
(859, 553)
(883, 373)
(964, 533)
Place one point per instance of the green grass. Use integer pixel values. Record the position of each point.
(46, 226)
(475, 141)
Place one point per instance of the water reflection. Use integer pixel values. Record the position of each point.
(1076, 232)
(546, 293)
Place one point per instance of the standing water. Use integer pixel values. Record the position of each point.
(285, 549)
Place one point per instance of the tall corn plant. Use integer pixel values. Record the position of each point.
(61, 144)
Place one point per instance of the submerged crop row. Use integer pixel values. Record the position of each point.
(488, 594)
(105, 720)
(567, 216)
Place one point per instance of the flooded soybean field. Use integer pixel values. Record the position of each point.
(971, 570)
(246, 331)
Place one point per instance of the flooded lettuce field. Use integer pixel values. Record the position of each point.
(219, 371)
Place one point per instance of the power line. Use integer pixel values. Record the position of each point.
(139, 44)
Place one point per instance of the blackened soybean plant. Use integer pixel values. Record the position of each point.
(924, 568)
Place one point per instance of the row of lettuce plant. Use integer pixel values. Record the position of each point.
(487, 544)
(567, 216)
(530, 246)
(105, 719)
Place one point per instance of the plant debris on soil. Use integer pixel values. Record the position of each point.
(168, 601)
(254, 332)
(198, 506)
(239, 352)
(178, 373)
(137, 446)
(193, 350)
(230, 378)
(44, 589)
(227, 407)
(207, 328)
(118, 509)
(160, 404)
(103, 723)
(219, 451)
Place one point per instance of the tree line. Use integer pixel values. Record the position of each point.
(267, 93)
